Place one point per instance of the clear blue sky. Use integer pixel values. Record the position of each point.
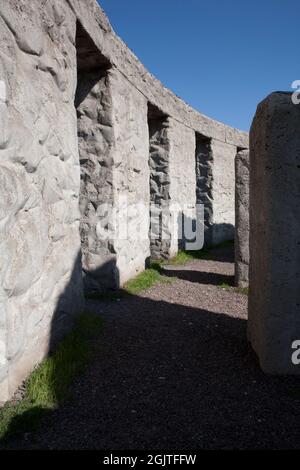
(220, 56)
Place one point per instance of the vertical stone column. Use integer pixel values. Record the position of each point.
(274, 302)
(96, 141)
(215, 188)
(130, 177)
(242, 218)
(182, 184)
(40, 274)
(159, 165)
(223, 155)
(204, 183)
(172, 184)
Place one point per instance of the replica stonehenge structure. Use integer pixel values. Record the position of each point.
(83, 126)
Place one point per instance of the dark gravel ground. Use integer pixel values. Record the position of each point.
(175, 371)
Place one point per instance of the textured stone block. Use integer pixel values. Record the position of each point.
(39, 173)
(242, 218)
(215, 188)
(204, 183)
(274, 301)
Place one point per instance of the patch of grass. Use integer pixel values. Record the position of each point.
(154, 274)
(48, 385)
(224, 285)
(184, 257)
(242, 290)
(146, 279)
(149, 277)
(238, 290)
(181, 258)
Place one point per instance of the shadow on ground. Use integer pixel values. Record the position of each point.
(168, 375)
(202, 274)
(171, 376)
(199, 277)
(223, 253)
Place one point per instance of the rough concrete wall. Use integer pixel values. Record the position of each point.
(215, 175)
(97, 25)
(223, 191)
(274, 301)
(242, 218)
(204, 183)
(131, 173)
(113, 143)
(159, 164)
(96, 143)
(172, 183)
(182, 178)
(40, 274)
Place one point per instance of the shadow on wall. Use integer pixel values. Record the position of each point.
(69, 310)
(70, 304)
(214, 235)
(221, 233)
(68, 307)
(66, 312)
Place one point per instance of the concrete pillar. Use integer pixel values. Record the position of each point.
(242, 218)
(274, 301)
(204, 183)
(159, 165)
(215, 188)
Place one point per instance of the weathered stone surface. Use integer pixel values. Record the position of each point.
(242, 218)
(39, 216)
(96, 141)
(41, 66)
(183, 181)
(204, 183)
(159, 164)
(97, 25)
(131, 174)
(223, 191)
(274, 302)
(216, 188)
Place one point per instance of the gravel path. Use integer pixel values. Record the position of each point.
(175, 371)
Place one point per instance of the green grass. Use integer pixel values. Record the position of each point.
(181, 258)
(224, 285)
(49, 384)
(238, 290)
(143, 281)
(154, 274)
(184, 257)
(242, 290)
(146, 279)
